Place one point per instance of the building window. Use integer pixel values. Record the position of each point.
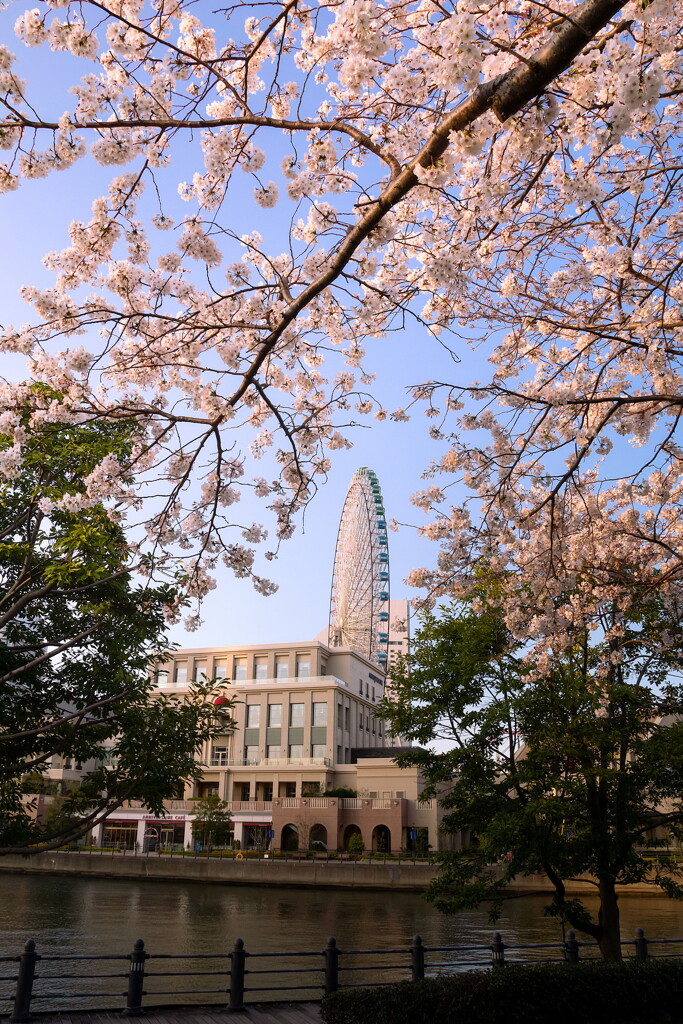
(319, 713)
(323, 670)
(220, 670)
(282, 667)
(339, 755)
(260, 668)
(251, 755)
(162, 677)
(273, 753)
(219, 757)
(180, 673)
(253, 716)
(296, 752)
(239, 669)
(303, 668)
(347, 718)
(318, 750)
(274, 716)
(400, 793)
(199, 671)
(296, 714)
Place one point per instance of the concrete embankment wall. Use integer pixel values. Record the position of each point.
(298, 874)
(404, 877)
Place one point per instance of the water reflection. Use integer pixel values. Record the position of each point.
(98, 916)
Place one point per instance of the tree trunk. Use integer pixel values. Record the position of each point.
(608, 919)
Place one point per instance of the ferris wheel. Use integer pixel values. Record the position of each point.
(359, 604)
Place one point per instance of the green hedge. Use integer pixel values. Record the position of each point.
(648, 992)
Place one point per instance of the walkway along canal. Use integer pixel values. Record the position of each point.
(377, 872)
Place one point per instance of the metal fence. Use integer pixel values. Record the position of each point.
(141, 980)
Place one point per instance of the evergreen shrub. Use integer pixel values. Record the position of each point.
(633, 992)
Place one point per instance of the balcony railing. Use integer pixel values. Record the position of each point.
(270, 682)
(273, 762)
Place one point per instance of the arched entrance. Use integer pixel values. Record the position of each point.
(381, 839)
(349, 832)
(290, 838)
(317, 839)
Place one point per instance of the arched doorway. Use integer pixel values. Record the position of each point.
(381, 839)
(290, 838)
(349, 832)
(317, 839)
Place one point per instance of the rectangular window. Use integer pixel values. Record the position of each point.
(219, 757)
(180, 673)
(296, 715)
(220, 670)
(260, 668)
(318, 750)
(319, 713)
(303, 668)
(296, 752)
(347, 718)
(274, 716)
(339, 755)
(273, 753)
(400, 793)
(162, 677)
(253, 716)
(239, 669)
(251, 755)
(282, 667)
(199, 671)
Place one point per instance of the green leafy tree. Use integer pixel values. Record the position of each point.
(79, 624)
(356, 844)
(574, 771)
(212, 825)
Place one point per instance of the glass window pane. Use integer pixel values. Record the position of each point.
(180, 675)
(239, 670)
(260, 668)
(303, 668)
(251, 755)
(318, 750)
(273, 753)
(296, 752)
(220, 669)
(319, 714)
(282, 668)
(253, 716)
(296, 714)
(275, 715)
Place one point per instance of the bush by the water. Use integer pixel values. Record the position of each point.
(635, 992)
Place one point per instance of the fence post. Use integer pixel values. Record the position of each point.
(498, 951)
(571, 948)
(237, 971)
(27, 972)
(641, 945)
(331, 966)
(417, 959)
(136, 980)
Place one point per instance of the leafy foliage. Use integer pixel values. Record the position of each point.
(567, 773)
(593, 993)
(212, 825)
(76, 635)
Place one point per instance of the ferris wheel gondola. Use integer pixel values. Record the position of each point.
(359, 603)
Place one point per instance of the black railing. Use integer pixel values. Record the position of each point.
(246, 977)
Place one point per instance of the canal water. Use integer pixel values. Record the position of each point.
(74, 917)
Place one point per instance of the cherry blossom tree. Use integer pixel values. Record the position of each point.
(507, 166)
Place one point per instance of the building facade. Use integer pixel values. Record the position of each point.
(303, 721)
